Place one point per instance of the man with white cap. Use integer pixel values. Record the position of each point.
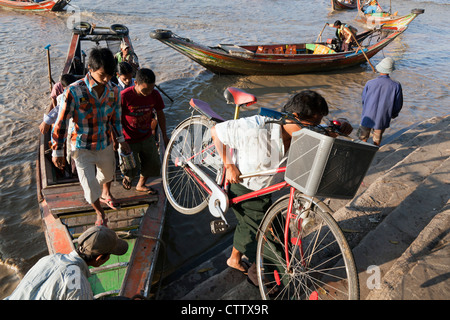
(126, 54)
(382, 100)
(64, 276)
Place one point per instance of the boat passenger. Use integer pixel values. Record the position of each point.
(373, 7)
(124, 75)
(127, 54)
(260, 146)
(65, 276)
(93, 104)
(382, 100)
(344, 34)
(50, 118)
(138, 103)
(57, 89)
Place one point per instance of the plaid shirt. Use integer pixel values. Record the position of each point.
(92, 116)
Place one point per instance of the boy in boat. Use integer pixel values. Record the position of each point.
(94, 105)
(260, 146)
(382, 100)
(64, 276)
(138, 103)
(50, 118)
(124, 75)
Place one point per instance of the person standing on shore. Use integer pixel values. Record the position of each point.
(382, 100)
(260, 145)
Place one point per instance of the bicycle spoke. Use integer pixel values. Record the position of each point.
(318, 267)
(190, 142)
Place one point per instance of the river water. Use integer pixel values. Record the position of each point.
(421, 54)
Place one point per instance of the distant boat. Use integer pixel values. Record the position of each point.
(279, 59)
(374, 20)
(49, 5)
(66, 214)
(343, 4)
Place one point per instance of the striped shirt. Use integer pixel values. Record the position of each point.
(55, 277)
(93, 116)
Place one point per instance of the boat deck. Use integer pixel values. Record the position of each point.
(70, 198)
(139, 220)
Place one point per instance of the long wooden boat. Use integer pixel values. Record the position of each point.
(280, 59)
(343, 5)
(46, 5)
(374, 20)
(65, 213)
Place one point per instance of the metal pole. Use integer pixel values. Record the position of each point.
(50, 79)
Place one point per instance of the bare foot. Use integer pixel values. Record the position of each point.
(235, 262)
(236, 265)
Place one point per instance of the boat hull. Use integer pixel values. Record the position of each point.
(251, 63)
(338, 5)
(51, 5)
(66, 215)
(378, 19)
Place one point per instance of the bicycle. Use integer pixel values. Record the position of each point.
(302, 253)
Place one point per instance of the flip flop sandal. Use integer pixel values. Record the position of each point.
(252, 277)
(126, 184)
(109, 202)
(245, 264)
(149, 191)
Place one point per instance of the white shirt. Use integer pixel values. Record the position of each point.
(122, 85)
(256, 145)
(55, 277)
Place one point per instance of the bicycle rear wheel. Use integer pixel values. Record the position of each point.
(321, 264)
(191, 141)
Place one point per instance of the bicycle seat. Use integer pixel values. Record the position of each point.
(205, 109)
(239, 97)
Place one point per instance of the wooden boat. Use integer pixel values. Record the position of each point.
(343, 4)
(46, 5)
(65, 213)
(279, 59)
(374, 20)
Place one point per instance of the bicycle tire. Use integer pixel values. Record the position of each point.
(183, 191)
(322, 267)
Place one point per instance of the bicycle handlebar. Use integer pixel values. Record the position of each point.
(281, 117)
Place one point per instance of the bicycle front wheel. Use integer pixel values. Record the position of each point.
(319, 263)
(191, 141)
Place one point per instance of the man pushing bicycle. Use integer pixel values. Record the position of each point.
(257, 143)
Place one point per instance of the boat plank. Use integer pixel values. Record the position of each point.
(70, 198)
(146, 249)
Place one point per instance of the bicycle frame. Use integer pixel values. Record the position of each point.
(200, 181)
(219, 201)
(217, 192)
